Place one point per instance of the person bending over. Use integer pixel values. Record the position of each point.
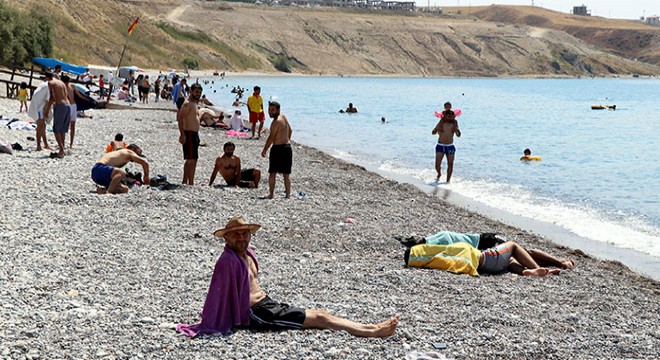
(229, 166)
(235, 298)
(108, 175)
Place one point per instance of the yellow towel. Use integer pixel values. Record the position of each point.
(459, 258)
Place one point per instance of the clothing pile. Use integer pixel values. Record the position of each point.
(160, 182)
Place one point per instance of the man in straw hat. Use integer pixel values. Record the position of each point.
(235, 298)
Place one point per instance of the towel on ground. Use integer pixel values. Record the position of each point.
(228, 300)
(459, 258)
(450, 237)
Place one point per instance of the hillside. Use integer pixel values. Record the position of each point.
(627, 38)
(239, 37)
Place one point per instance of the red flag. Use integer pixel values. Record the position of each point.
(130, 28)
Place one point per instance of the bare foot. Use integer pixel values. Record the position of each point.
(47, 147)
(567, 264)
(554, 271)
(438, 178)
(386, 328)
(535, 272)
(269, 197)
(101, 191)
(38, 148)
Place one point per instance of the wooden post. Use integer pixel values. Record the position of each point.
(30, 84)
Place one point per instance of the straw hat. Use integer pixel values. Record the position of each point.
(237, 223)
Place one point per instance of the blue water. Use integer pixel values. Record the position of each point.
(599, 174)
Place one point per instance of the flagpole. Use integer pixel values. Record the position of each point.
(130, 30)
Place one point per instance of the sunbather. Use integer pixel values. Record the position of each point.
(235, 298)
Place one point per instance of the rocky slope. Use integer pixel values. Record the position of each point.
(239, 37)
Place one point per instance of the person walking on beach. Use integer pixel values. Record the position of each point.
(179, 93)
(229, 166)
(235, 298)
(59, 100)
(189, 133)
(281, 155)
(255, 104)
(446, 128)
(40, 98)
(107, 172)
(144, 88)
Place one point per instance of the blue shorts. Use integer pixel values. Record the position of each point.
(447, 149)
(61, 118)
(102, 174)
(496, 260)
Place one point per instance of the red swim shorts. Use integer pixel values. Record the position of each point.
(254, 117)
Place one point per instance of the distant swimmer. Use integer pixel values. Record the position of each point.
(446, 128)
(349, 110)
(527, 156)
(382, 120)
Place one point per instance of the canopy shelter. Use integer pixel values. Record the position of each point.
(66, 67)
(124, 71)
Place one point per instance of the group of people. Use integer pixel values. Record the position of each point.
(59, 94)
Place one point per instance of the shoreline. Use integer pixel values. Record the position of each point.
(90, 275)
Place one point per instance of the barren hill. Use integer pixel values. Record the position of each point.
(627, 38)
(237, 37)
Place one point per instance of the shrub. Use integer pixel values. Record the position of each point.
(190, 63)
(24, 36)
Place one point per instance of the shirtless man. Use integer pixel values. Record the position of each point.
(446, 128)
(107, 173)
(72, 91)
(59, 95)
(189, 133)
(229, 166)
(263, 313)
(281, 156)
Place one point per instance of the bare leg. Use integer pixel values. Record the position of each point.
(522, 256)
(189, 172)
(256, 177)
(544, 259)
(41, 135)
(72, 128)
(287, 185)
(261, 126)
(438, 164)
(450, 165)
(271, 184)
(116, 187)
(59, 137)
(254, 128)
(320, 319)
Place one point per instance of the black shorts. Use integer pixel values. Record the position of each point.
(191, 145)
(281, 158)
(268, 314)
(247, 176)
(179, 102)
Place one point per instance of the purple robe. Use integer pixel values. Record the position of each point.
(228, 300)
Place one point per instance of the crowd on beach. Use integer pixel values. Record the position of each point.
(235, 298)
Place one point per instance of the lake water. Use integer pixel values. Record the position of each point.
(599, 177)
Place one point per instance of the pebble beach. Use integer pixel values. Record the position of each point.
(87, 276)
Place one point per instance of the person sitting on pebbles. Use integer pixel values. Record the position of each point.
(235, 298)
(498, 257)
(229, 166)
(108, 175)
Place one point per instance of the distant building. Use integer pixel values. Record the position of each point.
(581, 10)
(653, 20)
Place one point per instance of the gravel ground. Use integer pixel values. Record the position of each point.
(103, 276)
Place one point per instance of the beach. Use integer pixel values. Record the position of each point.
(104, 276)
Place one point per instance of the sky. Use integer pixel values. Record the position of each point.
(615, 9)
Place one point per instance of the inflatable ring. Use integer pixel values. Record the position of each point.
(531, 158)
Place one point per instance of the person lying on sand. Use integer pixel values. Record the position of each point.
(235, 298)
(229, 166)
(108, 175)
(494, 260)
(208, 117)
